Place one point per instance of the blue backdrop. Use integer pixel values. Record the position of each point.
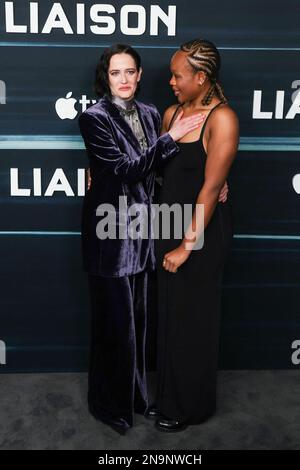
(48, 55)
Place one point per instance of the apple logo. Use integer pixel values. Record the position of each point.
(65, 107)
(296, 183)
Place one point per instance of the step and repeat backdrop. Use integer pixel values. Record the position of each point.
(48, 54)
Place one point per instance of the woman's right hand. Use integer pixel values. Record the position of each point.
(183, 126)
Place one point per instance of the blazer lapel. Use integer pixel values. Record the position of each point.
(147, 123)
(151, 136)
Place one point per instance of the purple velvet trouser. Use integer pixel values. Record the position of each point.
(117, 377)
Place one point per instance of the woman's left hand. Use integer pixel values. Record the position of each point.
(89, 179)
(223, 193)
(175, 258)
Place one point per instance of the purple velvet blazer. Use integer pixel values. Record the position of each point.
(119, 168)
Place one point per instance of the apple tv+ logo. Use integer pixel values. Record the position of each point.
(65, 107)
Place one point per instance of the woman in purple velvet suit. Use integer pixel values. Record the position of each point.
(124, 149)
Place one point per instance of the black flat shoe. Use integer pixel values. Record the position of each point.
(119, 425)
(153, 413)
(170, 425)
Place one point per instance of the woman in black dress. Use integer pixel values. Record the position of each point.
(190, 280)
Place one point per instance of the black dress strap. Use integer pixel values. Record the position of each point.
(205, 122)
(204, 125)
(173, 117)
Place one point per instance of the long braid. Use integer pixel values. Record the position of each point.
(203, 55)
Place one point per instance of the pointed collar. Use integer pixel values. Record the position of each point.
(123, 126)
(125, 105)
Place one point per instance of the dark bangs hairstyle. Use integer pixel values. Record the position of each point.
(101, 85)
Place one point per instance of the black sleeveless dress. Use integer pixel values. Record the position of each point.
(189, 300)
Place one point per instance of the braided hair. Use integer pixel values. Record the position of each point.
(203, 55)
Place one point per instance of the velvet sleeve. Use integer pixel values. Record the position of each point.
(100, 142)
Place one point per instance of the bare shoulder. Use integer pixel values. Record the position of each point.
(225, 116)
